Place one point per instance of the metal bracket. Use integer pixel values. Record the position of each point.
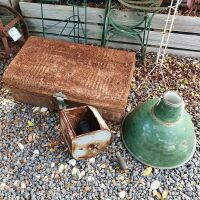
(61, 100)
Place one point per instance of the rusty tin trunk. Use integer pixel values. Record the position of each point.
(85, 74)
(84, 131)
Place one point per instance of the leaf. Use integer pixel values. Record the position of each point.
(103, 166)
(157, 194)
(165, 194)
(147, 171)
(185, 82)
(31, 124)
(195, 94)
(117, 168)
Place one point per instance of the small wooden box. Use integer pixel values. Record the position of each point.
(84, 131)
(86, 75)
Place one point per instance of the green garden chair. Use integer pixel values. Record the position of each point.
(139, 30)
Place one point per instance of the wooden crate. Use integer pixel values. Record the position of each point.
(185, 38)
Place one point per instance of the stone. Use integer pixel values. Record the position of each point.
(16, 183)
(102, 186)
(81, 174)
(23, 185)
(90, 178)
(72, 162)
(21, 146)
(43, 109)
(92, 160)
(3, 185)
(52, 165)
(36, 152)
(75, 171)
(122, 194)
(155, 185)
(36, 109)
(61, 168)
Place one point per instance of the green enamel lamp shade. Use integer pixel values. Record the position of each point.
(160, 133)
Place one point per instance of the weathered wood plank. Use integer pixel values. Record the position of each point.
(56, 12)
(5, 2)
(96, 15)
(181, 23)
(12, 3)
(155, 49)
(178, 39)
(128, 46)
(94, 31)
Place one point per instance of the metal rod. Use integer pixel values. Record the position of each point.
(43, 29)
(122, 162)
(78, 20)
(74, 21)
(85, 33)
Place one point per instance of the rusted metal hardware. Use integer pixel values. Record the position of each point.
(85, 74)
(61, 100)
(121, 161)
(84, 131)
(16, 19)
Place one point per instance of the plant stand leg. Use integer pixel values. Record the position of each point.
(145, 37)
(106, 23)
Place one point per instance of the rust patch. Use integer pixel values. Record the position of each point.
(85, 74)
(85, 140)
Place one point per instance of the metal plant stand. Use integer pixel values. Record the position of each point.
(140, 31)
(78, 31)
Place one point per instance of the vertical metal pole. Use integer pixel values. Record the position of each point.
(42, 14)
(78, 19)
(85, 2)
(106, 23)
(144, 35)
(148, 26)
(74, 21)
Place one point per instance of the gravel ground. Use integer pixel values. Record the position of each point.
(35, 164)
